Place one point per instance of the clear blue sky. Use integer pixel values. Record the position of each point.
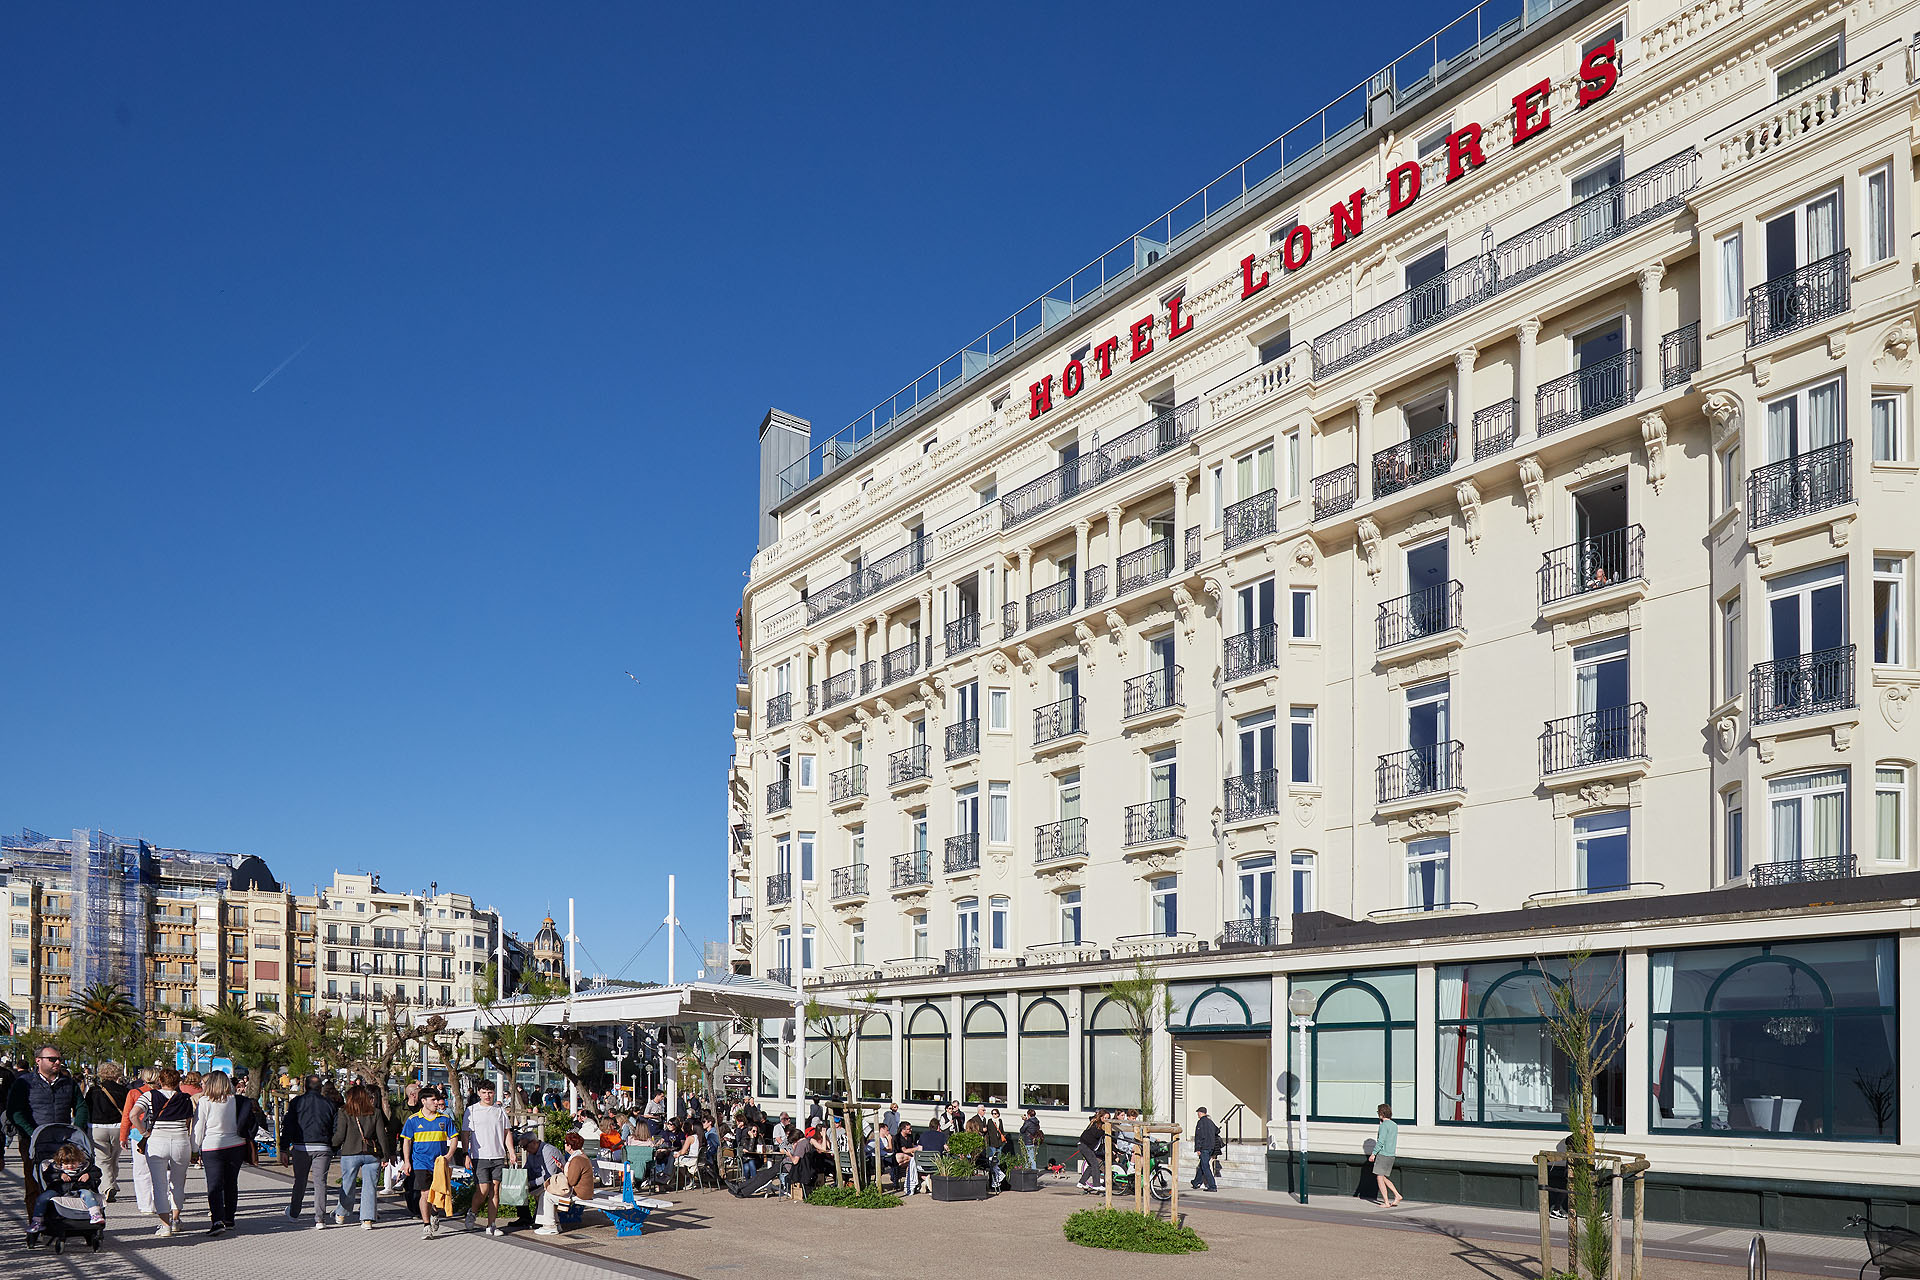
(544, 269)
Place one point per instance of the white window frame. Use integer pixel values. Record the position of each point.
(1312, 597)
(1298, 718)
(1733, 834)
(999, 923)
(808, 772)
(1800, 397)
(1432, 849)
(1901, 788)
(1301, 870)
(1070, 911)
(1000, 710)
(1895, 404)
(1876, 235)
(858, 939)
(918, 937)
(966, 809)
(1897, 575)
(1730, 261)
(966, 923)
(1295, 459)
(1733, 648)
(1775, 803)
(1801, 59)
(1615, 821)
(806, 843)
(1162, 891)
(1251, 458)
(999, 813)
(1733, 490)
(1217, 505)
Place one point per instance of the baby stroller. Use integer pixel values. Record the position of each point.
(66, 1217)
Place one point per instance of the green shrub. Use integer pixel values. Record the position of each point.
(962, 1149)
(556, 1124)
(1131, 1231)
(867, 1197)
(1014, 1155)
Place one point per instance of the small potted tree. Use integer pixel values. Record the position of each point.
(1021, 1175)
(955, 1175)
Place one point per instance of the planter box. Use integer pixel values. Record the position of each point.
(959, 1188)
(1023, 1179)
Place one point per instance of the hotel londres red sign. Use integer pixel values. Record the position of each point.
(1532, 115)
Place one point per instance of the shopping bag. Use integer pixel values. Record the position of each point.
(513, 1187)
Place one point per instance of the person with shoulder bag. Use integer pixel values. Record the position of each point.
(106, 1099)
(365, 1143)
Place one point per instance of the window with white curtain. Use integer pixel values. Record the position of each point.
(1805, 420)
(998, 913)
(1878, 215)
(1428, 865)
(1217, 499)
(1889, 420)
(1294, 464)
(1890, 811)
(999, 716)
(1733, 834)
(1890, 611)
(1732, 477)
(1733, 649)
(1253, 473)
(999, 814)
(1808, 816)
(1808, 70)
(1733, 288)
(1601, 844)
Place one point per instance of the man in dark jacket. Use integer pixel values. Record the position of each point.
(306, 1141)
(44, 1095)
(1206, 1141)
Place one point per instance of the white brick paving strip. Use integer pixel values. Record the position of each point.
(266, 1245)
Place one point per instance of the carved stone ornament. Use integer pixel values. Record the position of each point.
(1423, 819)
(1653, 434)
(806, 733)
(1369, 534)
(885, 709)
(1896, 700)
(1083, 637)
(1762, 371)
(1306, 556)
(1843, 736)
(1764, 747)
(1026, 659)
(1183, 609)
(1423, 524)
(1763, 552)
(998, 663)
(1594, 463)
(1533, 486)
(1597, 794)
(1837, 344)
(1899, 341)
(1303, 810)
(1723, 411)
(1116, 632)
(1727, 732)
(1840, 530)
(1213, 589)
(1062, 877)
(1467, 494)
(1272, 833)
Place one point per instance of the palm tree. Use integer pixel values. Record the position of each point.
(239, 1034)
(104, 1016)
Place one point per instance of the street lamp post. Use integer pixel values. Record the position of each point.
(366, 992)
(1301, 1004)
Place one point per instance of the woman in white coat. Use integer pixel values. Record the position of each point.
(166, 1123)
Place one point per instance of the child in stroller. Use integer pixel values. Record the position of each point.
(69, 1204)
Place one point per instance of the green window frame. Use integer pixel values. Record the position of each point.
(1032, 1031)
(925, 1025)
(983, 1034)
(1388, 1026)
(873, 1043)
(1462, 1044)
(1106, 1030)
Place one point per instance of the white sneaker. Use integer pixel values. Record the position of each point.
(365, 1225)
(163, 1230)
(321, 1225)
(339, 1217)
(426, 1231)
(546, 1231)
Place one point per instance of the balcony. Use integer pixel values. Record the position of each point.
(1156, 822)
(868, 580)
(779, 795)
(1166, 432)
(780, 889)
(1421, 615)
(1426, 304)
(1251, 651)
(1142, 946)
(848, 883)
(912, 870)
(910, 967)
(1050, 604)
(963, 739)
(1593, 565)
(1009, 619)
(963, 960)
(839, 688)
(1193, 547)
(779, 710)
(1096, 584)
(1494, 430)
(1259, 931)
(1421, 771)
(1250, 519)
(780, 977)
(1336, 491)
(841, 974)
(1594, 742)
(1802, 871)
(844, 786)
(963, 853)
(1819, 480)
(1680, 356)
(1429, 454)
(1144, 566)
(900, 663)
(1252, 795)
(1058, 721)
(1588, 392)
(1063, 841)
(1816, 292)
(1151, 694)
(909, 765)
(963, 634)
(1804, 686)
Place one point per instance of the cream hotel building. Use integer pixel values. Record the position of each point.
(1476, 531)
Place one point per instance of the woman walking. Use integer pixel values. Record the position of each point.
(221, 1135)
(166, 1144)
(130, 1136)
(361, 1136)
(1386, 1144)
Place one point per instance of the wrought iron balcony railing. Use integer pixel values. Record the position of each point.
(779, 795)
(1804, 686)
(1009, 619)
(1156, 821)
(1169, 430)
(963, 960)
(779, 709)
(1680, 355)
(1193, 546)
(781, 977)
(1801, 485)
(1802, 870)
(1814, 293)
(1145, 565)
(908, 764)
(780, 889)
(1096, 576)
(849, 783)
(1059, 720)
(914, 867)
(849, 881)
(1425, 612)
(1493, 429)
(1336, 491)
(868, 580)
(1050, 604)
(1593, 564)
(1598, 388)
(1252, 795)
(963, 634)
(1250, 518)
(963, 739)
(840, 687)
(1252, 651)
(900, 663)
(1419, 771)
(1154, 691)
(963, 852)
(1410, 462)
(1594, 737)
(1064, 839)
(1257, 931)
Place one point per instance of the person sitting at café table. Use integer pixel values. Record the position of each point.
(572, 1184)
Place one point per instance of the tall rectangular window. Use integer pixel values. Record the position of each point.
(1733, 834)
(999, 814)
(1428, 866)
(1732, 481)
(1732, 277)
(1890, 812)
(1302, 871)
(1808, 816)
(1216, 497)
(1890, 611)
(1879, 215)
(1300, 743)
(997, 916)
(1166, 905)
(1889, 426)
(1294, 463)
(1601, 850)
(1304, 621)
(1070, 917)
(998, 714)
(1733, 649)
(806, 773)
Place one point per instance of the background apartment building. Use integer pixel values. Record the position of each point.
(1483, 534)
(429, 947)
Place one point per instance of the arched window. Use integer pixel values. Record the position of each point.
(875, 1050)
(1112, 1056)
(1043, 1052)
(1497, 1062)
(1361, 1045)
(926, 1053)
(983, 1052)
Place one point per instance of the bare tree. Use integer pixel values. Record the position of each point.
(1143, 1000)
(1586, 1021)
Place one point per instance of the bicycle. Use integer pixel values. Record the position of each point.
(1159, 1175)
(1894, 1250)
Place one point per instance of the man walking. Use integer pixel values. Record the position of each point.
(490, 1144)
(105, 1101)
(1206, 1141)
(44, 1095)
(306, 1142)
(426, 1138)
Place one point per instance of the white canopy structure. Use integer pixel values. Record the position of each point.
(720, 1001)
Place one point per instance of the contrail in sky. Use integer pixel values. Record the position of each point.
(283, 364)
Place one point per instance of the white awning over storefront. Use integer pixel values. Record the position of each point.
(736, 997)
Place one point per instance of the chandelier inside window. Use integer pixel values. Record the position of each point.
(1793, 1028)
